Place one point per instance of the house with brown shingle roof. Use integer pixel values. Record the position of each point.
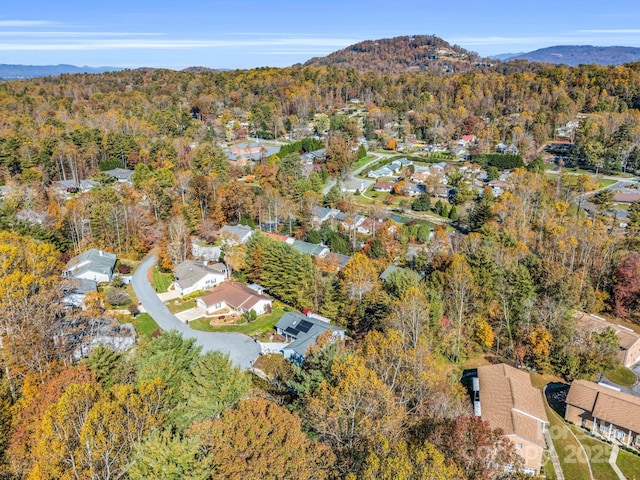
(234, 297)
(505, 398)
(605, 411)
(629, 341)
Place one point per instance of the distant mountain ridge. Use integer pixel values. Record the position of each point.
(574, 55)
(401, 54)
(15, 72)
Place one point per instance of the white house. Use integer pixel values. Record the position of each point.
(191, 276)
(234, 297)
(96, 265)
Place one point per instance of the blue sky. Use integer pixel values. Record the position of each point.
(252, 33)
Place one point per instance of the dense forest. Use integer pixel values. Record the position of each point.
(501, 276)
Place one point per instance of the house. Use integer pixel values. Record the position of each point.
(201, 251)
(310, 248)
(102, 331)
(629, 341)
(236, 233)
(234, 297)
(192, 276)
(96, 265)
(605, 411)
(77, 290)
(349, 221)
(504, 397)
(403, 162)
(303, 331)
(623, 197)
(468, 139)
(323, 214)
(73, 186)
(413, 190)
(391, 269)
(120, 174)
(383, 186)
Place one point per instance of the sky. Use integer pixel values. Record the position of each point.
(252, 33)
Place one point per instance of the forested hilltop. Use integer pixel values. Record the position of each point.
(402, 54)
(492, 252)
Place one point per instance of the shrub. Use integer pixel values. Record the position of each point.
(123, 269)
(118, 296)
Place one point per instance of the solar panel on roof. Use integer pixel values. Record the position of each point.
(291, 331)
(305, 326)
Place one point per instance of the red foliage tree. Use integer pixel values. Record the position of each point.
(626, 291)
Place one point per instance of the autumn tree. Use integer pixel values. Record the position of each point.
(214, 384)
(166, 455)
(350, 413)
(359, 276)
(626, 291)
(262, 440)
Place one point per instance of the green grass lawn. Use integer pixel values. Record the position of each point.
(361, 162)
(261, 325)
(161, 281)
(181, 306)
(572, 459)
(549, 471)
(622, 376)
(606, 182)
(143, 323)
(598, 453)
(629, 464)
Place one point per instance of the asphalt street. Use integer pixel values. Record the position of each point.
(242, 350)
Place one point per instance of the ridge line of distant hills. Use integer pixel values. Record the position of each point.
(394, 55)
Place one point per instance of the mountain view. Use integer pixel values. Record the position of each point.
(581, 55)
(13, 72)
(235, 255)
(401, 54)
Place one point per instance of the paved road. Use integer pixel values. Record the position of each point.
(241, 349)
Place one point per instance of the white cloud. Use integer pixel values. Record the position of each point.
(25, 23)
(620, 31)
(112, 44)
(77, 34)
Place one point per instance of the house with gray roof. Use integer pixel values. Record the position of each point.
(94, 264)
(310, 248)
(120, 174)
(192, 276)
(323, 214)
(236, 233)
(302, 332)
(391, 269)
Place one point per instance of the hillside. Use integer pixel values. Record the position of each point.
(582, 55)
(401, 54)
(15, 72)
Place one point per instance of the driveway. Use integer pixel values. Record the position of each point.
(241, 349)
(190, 314)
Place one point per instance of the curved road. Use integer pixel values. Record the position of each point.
(241, 349)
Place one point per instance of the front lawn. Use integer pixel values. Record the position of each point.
(178, 305)
(259, 326)
(572, 459)
(629, 464)
(143, 323)
(621, 375)
(160, 280)
(549, 470)
(598, 453)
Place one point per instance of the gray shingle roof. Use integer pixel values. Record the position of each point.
(304, 330)
(92, 260)
(189, 272)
